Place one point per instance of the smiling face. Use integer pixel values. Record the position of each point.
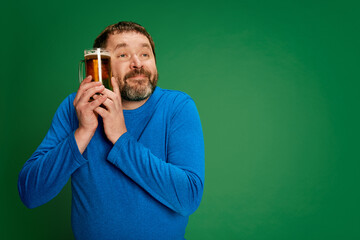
(133, 65)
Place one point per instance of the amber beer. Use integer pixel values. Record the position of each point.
(92, 58)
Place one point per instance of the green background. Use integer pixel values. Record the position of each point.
(276, 84)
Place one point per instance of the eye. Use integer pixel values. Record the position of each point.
(145, 55)
(121, 54)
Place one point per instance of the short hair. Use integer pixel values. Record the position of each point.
(101, 40)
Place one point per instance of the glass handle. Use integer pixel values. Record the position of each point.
(81, 70)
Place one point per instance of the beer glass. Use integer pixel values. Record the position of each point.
(98, 65)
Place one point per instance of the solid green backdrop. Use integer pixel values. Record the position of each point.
(276, 84)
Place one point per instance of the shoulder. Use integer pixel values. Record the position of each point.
(67, 103)
(177, 102)
(65, 115)
(66, 108)
(174, 98)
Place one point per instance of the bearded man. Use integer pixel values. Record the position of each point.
(135, 155)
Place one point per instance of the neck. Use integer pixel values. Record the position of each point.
(131, 105)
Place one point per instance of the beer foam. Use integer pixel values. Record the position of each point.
(95, 54)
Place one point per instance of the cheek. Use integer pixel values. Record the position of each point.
(116, 70)
(152, 68)
(155, 71)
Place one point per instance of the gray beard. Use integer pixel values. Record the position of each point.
(132, 94)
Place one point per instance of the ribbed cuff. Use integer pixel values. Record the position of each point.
(119, 144)
(75, 150)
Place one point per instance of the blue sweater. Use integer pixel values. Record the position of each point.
(143, 187)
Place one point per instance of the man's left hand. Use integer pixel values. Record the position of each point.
(112, 114)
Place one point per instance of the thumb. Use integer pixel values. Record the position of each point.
(115, 85)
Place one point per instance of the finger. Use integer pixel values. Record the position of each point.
(96, 96)
(86, 96)
(115, 85)
(108, 103)
(80, 91)
(86, 80)
(116, 88)
(101, 111)
(96, 103)
(86, 83)
(89, 80)
(84, 86)
(110, 93)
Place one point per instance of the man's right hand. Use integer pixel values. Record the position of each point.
(84, 106)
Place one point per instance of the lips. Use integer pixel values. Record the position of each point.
(138, 73)
(137, 77)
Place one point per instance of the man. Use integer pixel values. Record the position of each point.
(135, 154)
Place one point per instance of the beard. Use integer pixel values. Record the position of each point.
(138, 90)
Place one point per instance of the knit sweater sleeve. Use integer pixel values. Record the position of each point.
(51, 165)
(177, 182)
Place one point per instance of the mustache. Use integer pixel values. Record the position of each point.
(137, 72)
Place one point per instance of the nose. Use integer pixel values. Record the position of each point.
(136, 62)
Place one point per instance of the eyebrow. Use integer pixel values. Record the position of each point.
(146, 45)
(120, 45)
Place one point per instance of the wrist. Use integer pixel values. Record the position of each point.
(89, 132)
(82, 138)
(116, 137)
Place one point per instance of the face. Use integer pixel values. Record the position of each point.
(133, 65)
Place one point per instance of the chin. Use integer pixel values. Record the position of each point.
(137, 93)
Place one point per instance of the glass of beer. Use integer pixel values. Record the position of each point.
(98, 65)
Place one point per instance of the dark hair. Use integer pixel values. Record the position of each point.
(101, 40)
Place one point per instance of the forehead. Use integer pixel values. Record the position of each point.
(128, 39)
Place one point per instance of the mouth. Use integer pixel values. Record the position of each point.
(138, 77)
(138, 74)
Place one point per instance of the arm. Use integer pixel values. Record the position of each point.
(59, 155)
(49, 168)
(177, 183)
